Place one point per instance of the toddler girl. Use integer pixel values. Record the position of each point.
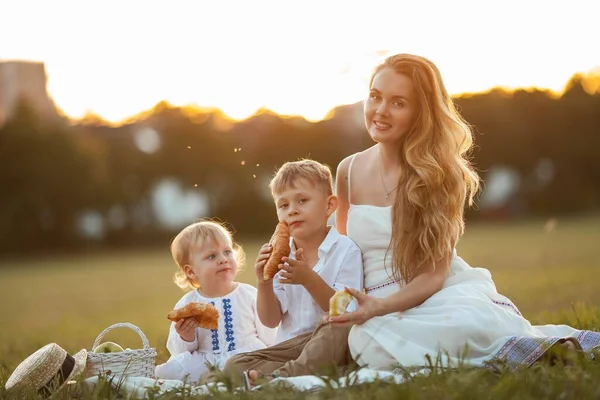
(208, 264)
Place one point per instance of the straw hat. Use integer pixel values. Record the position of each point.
(47, 370)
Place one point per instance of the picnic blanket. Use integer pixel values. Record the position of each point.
(140, 387)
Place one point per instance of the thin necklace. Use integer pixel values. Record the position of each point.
(387, 194)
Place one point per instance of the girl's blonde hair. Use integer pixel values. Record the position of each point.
(436, 176)
(194, 236)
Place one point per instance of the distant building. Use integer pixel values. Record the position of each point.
(24, 80)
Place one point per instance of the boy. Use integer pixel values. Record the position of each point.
(321, 261)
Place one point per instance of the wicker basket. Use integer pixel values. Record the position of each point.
(125, 363)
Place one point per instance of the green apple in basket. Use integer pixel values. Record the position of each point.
(108, 347)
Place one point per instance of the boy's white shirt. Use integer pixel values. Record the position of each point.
(340, 264)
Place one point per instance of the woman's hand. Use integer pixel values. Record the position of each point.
(368, 307)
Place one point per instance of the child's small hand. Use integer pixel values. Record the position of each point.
(297, 272)
(261, 260)
(186, 328)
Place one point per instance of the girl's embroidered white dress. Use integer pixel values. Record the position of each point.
(239, 331)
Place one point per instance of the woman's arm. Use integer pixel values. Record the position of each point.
(413, 294)
(416, 291)
(341, 190)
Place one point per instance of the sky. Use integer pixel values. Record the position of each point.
(118, 58)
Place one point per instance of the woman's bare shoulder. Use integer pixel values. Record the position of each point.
(342, 169)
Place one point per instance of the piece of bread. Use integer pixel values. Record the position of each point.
(338, 302)
(281, 248)
(206, 314)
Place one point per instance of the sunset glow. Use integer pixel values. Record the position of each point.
(116, 59)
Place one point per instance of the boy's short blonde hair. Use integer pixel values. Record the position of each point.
(194, 236)
(313, 171)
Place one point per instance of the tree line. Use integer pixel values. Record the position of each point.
(53, 173)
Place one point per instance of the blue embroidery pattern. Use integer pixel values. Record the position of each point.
(215, 335)
(524, 351)
(228, 324)
(386, 284)
(509, 305)
(588, 340)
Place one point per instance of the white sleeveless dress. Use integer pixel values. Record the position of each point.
(467, 320)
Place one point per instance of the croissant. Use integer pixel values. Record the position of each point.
(338, 302)
(206, 314)
(281, 248)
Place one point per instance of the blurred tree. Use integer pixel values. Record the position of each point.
(49, 174)
(46, 179)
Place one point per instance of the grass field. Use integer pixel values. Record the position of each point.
(551, 274)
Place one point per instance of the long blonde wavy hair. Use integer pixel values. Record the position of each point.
(436, 176)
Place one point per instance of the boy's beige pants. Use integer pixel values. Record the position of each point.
(319, 351)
